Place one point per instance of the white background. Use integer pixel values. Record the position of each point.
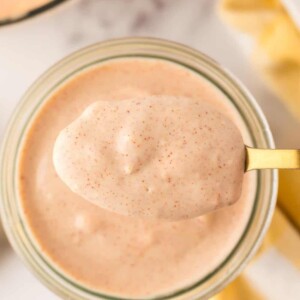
(27, 49)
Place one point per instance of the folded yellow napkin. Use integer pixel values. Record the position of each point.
(274, 272)
(277, 43)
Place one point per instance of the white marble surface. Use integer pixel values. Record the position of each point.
(29, 48)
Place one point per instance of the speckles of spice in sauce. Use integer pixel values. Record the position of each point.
(115, 151)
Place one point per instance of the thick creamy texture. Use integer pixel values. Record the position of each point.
(11, 9)
(108, 252)
(161, 157)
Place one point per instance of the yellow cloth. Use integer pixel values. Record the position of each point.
(276, 54)
(277, 44)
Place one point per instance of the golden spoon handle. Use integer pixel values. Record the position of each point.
(272, 159)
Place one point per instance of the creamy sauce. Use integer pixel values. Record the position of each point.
(111, 253)
(162, 157)
(11, 9)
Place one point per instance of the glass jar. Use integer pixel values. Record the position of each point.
(255, 124)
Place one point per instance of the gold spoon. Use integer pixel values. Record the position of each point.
(272, 159)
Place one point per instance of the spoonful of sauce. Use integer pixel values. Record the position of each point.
(159, 157)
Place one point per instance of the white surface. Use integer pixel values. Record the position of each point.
(28, 49)
(276, 285)
(293, 9)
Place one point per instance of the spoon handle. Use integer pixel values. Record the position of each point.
(272, 159)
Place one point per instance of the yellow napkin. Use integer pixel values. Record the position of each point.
(274, 272)
(277, 44)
